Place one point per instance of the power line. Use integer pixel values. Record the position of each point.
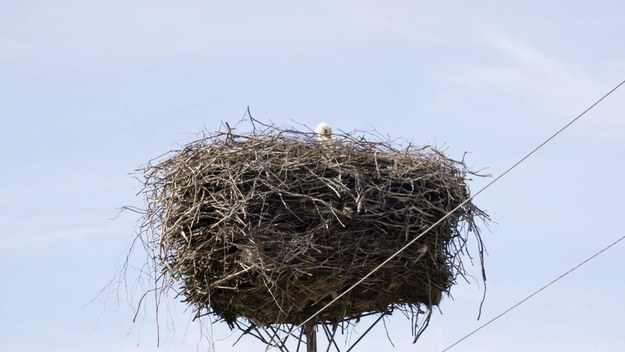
(462, 204)
(535, 293)
(456, 208)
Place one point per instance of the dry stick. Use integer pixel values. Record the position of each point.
(330, 337)
(366, 332)
(299, 340)
(460, 206)
(157, 313)
(232, 276)
(281, 344)
(535, 293)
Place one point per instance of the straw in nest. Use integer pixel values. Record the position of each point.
(270, 226)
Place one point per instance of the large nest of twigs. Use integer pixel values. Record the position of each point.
(270, 226)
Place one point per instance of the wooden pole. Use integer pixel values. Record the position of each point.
(311, 337)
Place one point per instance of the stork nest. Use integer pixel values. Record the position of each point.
(270, 226)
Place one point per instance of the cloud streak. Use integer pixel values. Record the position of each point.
(547, 84)
(69, 234)
(528, 72)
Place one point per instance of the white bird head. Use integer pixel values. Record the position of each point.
(323, 131)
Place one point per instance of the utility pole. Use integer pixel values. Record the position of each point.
(311, 337)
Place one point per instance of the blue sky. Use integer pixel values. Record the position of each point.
(90, 90)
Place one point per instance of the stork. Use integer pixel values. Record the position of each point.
(323, 131)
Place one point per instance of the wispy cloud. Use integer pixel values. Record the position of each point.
(550, 85)
(393, 24)
(69, 234)
(521, 68)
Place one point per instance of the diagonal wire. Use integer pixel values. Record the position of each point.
(463, 203)
(290, 332)
(535, 293)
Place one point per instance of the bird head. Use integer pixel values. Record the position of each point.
(323, 131)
